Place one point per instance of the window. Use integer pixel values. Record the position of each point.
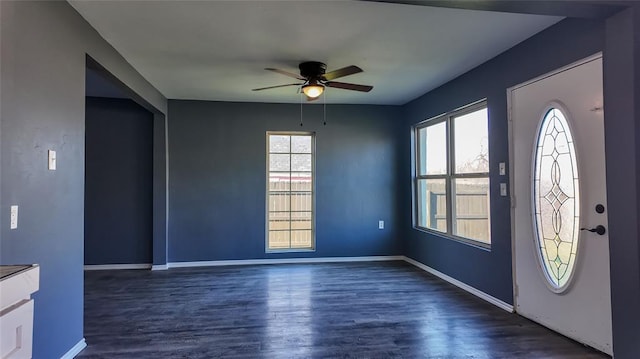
(452, 174)
(290, 195)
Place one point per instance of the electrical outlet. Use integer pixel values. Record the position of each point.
(380, 224)
(14, 217)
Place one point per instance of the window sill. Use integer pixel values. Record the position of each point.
(467, 241)
(291, 250)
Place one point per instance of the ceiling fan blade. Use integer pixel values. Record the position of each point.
(346, 86)
(345, 71)
(274, 87)
(286, 73)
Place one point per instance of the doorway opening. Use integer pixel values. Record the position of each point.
(125, 176)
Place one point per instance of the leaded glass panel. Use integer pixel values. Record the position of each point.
(556, 199)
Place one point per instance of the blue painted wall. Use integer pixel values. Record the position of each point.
(490, 270)
(42, 79)
(217, 178)
(622, 148)
(42, 106)
(118, 182)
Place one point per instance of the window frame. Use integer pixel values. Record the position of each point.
(450, 176)
(312, 248)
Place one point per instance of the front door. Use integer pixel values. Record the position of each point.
(561, 269)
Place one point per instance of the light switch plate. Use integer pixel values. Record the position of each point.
(52, 160)
(14, 217)
(503, 168)
(503, 189)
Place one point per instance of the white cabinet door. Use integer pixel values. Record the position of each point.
(16, 331)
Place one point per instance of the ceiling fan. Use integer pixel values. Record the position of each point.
(316, 78)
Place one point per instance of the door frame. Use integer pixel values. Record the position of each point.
(512, 197)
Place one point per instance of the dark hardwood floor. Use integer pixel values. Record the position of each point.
(345, 310)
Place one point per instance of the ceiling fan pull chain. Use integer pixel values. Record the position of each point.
(300, 109)
(324, 112)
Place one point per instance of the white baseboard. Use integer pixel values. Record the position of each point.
(75, 350)
(117, 266)
(282, 261)
(159, 267)
(478, 293)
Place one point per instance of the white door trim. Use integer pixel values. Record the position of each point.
(583, 61)
(512, 198)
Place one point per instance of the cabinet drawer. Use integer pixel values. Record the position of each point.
(16, 331)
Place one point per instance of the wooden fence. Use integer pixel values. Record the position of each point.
(290, 211)
(471, 214)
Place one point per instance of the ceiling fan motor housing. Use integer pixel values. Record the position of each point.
(312, 70)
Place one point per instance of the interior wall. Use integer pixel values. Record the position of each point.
(622, 146)
(217, 156)
(490, 270)
(43, 46)
(42, 86)
(118, 205)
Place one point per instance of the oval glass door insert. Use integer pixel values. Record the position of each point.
(556, 199)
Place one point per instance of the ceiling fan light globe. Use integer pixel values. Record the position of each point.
(313, 90)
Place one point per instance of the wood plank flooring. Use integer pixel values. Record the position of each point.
(338, 310)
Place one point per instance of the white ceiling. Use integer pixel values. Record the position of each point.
(217, 50)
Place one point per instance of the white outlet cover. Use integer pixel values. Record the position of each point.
(503, 189)
(380, 224)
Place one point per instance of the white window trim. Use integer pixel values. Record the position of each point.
(313, 193)
(449, 176)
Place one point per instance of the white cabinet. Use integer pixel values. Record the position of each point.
(17, 283)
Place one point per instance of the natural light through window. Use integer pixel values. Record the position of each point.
(290, 197)
(452, 174)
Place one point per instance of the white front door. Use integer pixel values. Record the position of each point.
(558, 187)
